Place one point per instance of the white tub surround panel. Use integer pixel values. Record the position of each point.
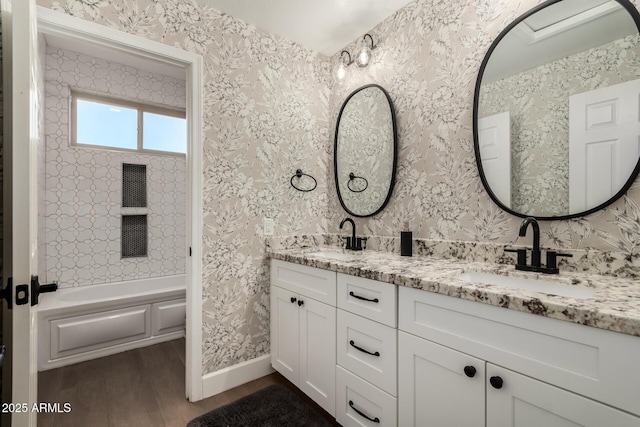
(78, 324)
(83, 197)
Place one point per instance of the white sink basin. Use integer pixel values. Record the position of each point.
(535, 285)
(334, 255)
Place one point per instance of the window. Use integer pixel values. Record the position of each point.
(100, 121)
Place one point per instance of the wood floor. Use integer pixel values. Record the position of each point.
(142, 387)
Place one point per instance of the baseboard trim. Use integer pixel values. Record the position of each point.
(233, 376)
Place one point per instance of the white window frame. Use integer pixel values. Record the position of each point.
(125, 103)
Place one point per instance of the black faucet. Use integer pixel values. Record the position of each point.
(535, 251)
(353, 243)
(521, 264)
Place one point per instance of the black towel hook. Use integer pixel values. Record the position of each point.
(353, 177)
(299, 175)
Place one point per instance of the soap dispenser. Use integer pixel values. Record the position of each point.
(406, 241)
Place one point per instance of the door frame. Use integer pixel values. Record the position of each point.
(63, 25)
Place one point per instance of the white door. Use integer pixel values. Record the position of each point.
(285, 333)
(19, 50)
(318, 352)
(604, 143)
(438, 386)
(494, 138)
(524, 402)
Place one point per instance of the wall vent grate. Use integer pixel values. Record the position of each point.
(134, 236)
(134, 186)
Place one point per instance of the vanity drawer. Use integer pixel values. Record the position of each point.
(368, 298)
(357, 337)
(589, 361)
(308, 281)
(357, 400)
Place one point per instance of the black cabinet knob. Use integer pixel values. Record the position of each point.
(300, 302)
(470, 371)
(293, 299)
(496, 382)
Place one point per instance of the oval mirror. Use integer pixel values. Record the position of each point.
(365, 151)
(556, 117)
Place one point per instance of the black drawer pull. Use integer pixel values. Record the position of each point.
(377, 354)
(376, 300)
(293, 299)
(374, 420)
(300, 302)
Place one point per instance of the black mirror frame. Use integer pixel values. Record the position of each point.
(635, 15)
(395, 151)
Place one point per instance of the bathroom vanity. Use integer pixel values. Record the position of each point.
(383, 340)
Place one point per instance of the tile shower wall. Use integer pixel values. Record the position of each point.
(83, 195)
(428, 57)
(266, 103)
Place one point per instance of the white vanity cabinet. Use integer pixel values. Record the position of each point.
(374, 354)
(303, 329)
(530, 370)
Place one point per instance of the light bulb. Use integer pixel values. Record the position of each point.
(364, 54)
(340, 71)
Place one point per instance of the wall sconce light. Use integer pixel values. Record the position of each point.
(340, 70)
(363, 57)
(364, 54)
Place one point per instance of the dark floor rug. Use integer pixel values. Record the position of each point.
(274, 406)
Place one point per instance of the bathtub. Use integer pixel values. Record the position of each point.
(83, 323)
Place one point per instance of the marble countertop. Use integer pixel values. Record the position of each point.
(615, 306)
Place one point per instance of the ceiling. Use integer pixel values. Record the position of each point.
(325, 26)
(81, 46)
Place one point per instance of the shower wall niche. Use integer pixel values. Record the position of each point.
(80, 234)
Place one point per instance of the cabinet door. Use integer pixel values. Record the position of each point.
(521, 401)
(285, 333)
(433, 388)
(318, 352)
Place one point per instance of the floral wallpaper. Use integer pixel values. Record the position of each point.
(83, 186)
(266, 103)
(540, 128)
(271, 107)
(428, 56)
